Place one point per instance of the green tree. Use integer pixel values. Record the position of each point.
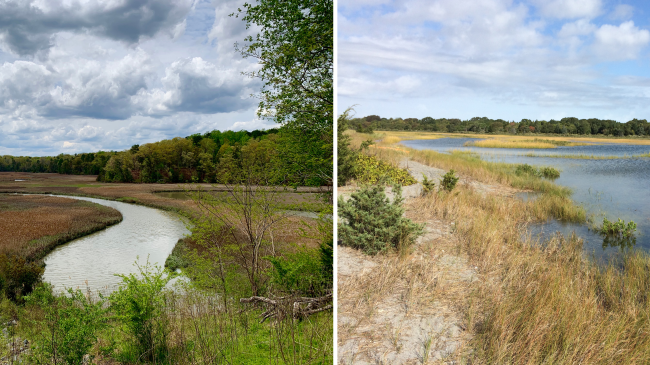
(295, 49)
(373, 224)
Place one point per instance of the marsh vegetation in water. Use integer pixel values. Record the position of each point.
(611, 187)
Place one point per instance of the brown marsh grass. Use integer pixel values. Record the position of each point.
(34, 225)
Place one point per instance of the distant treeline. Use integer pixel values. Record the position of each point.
(216, 157)
(634, 127)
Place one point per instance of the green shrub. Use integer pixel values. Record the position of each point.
(69, 325)
(140, 304)
(427, 185)
(549, 172)
(18, 276)
(371, 170)
(299, 273)
(449, 181)
(372, 223)
(178, 259)
(618, 228)
(526, 169)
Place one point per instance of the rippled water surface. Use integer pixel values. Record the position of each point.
(94, 259)
(616, 188)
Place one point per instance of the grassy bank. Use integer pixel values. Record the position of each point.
(396, 136)
(544, 303)
(536, 143)
(587, 157)
(539, 303)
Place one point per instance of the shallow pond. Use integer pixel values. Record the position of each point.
(612, 188)
(94, 260)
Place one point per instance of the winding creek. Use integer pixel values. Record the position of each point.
(94, 260)
(612, 188)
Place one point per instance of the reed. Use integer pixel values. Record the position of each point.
(587, 157)
(497, 143)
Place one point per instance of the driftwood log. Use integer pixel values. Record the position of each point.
(300, 307)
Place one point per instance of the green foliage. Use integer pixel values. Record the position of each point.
(618, 228)
(549, 172)
(178, 258)
(69, 325)
(449, 180)
(299, 273)
(364, 128)
(427, 185)
(295, 50)
(372, 223)
(140, 305)
(371, 170)
(346, 155)
(569, 125)
(526, 169)
(18, 276)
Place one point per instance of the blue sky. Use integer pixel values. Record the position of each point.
(85, 75)
(538, 59)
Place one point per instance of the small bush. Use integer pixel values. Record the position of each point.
(18, 276)
(178, 258)
(449, 181)
(427, 185)
(373, 224)
(299, 273)
(618, 229)
(371, 170)
(140, 305)
(71, 324)
(526, 169)
(549, 173)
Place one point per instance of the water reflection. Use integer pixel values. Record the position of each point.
(93, 260)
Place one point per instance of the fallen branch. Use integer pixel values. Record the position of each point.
(300, 307)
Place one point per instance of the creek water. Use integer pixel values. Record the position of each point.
(610, 188)
(93, 260)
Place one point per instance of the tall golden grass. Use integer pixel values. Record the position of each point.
(497, 143)
(544, 303)
(588, 157)
(526, 137)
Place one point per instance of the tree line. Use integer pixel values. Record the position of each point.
(211, 157)
(592, 126)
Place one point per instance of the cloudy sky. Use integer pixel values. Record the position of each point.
(85, 75)
(537, 59)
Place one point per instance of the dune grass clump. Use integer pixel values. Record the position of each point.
(549, 172)
(391, 139)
